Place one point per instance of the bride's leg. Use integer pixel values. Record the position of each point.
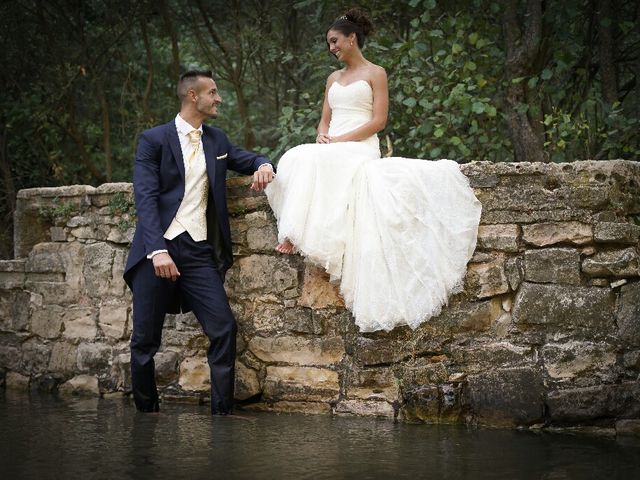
(286, 247)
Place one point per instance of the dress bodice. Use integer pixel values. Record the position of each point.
(351, 106)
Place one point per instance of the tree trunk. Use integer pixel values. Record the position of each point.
(5, 166)
(8, 206)
(147, 90)
(522, 46)
(606, 52)
(175, 51)
(586, 61)
(72, 130)
(636, 68)
(106, 130)
(243, 111)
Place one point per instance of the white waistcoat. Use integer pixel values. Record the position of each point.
(192, 213)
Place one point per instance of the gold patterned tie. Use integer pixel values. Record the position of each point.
(194, 139)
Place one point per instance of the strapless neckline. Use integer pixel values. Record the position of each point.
(349, 84)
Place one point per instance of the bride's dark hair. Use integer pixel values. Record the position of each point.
(355, 21)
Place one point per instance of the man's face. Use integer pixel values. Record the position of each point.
(207, 97)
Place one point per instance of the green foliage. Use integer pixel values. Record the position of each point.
(298, 118)
(578, 123)
(443, 76)
(565, 134)
(445, 63)
(121, 206)
(59, 213)
(91, 76)
(573, 137)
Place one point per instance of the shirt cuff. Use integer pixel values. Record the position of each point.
(266, 165)
(155, 252)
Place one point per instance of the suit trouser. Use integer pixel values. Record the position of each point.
(200, 286)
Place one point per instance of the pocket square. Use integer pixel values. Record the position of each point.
(222, 157)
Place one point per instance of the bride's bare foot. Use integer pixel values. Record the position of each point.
(286, 247)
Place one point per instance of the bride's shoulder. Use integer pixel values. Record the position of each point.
(335, 75)
(377, 70)
(377, 75)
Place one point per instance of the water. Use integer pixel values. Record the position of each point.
(50, 438)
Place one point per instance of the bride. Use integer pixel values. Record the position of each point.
(397, 233)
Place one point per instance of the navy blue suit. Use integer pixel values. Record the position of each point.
(159, 186)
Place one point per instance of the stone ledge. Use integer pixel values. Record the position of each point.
(559, 304)
(13, 265)
(545, 234)
(507, 396)
(574, 169)
(600, 401)
(52, 192)
(366, 408)
(499, 237)
(552, 265)
(299, 349)
(301, 384)
(607, 232)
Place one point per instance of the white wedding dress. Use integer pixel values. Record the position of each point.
(397, 233)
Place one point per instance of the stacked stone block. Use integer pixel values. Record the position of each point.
(545, 334)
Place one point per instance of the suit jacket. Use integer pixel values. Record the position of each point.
(159, 182)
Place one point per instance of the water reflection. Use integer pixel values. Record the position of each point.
(50, 438)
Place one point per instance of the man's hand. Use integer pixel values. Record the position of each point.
(165, 267)
(262, 177)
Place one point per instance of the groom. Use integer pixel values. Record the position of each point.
(182, 245)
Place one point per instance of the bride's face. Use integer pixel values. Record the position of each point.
(339, 44)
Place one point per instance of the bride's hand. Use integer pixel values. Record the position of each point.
(323, 138)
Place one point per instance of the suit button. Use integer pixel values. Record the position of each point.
(180, 199)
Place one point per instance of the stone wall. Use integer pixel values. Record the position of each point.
(546, 333)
